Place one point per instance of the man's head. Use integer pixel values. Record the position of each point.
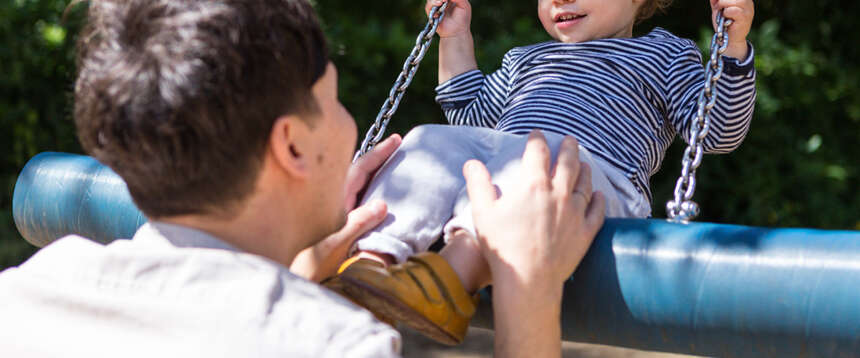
(181, 97)
(574, 21)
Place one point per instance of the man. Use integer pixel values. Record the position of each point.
(223, 119)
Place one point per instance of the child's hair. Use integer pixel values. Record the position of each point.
(650, 7)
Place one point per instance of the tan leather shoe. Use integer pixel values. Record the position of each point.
(335, 284)
(424, 293)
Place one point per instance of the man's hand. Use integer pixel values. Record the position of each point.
(542, 229)
(364, 168)
(741, 12)
(322, 260)
(533, 238)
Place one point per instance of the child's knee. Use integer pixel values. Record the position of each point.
(429, 136)
(428, 132)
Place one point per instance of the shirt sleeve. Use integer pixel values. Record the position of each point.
(473, 99)
(382, 343)
(733, 110)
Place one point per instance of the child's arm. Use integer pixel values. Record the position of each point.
(466, 95)
(736, 93)
(733, 110)
(456, 46)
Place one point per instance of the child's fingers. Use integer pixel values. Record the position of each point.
(722, 4)
(734, 13)
(731, 7)
(479, 186)
(431, 4)
(739, 11)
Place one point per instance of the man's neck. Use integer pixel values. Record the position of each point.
(253, 230)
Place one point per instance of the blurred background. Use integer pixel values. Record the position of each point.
(799, 166)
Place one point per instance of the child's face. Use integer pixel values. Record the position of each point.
(575, 21)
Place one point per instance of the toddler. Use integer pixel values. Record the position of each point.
(623, 98)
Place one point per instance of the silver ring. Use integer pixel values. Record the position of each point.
(587, 199)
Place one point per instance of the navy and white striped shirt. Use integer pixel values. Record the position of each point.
(623, 99)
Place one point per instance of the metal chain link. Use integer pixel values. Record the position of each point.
(683, 208)
(410, 67)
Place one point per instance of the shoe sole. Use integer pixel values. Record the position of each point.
(378, 301)
(337, 286)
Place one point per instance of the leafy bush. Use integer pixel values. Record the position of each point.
(37, 71)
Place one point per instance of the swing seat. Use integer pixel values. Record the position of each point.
(699, 288)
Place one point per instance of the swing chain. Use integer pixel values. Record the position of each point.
(683, 209)
(410, 67)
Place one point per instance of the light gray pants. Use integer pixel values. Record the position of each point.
(424, 187)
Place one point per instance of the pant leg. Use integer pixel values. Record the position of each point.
(420, 183)
(622, 199)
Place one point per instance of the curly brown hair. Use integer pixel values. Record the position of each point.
(651, 7)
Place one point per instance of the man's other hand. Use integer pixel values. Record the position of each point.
(542, 228)
(533, 238)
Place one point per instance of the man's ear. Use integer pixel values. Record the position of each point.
(288, 143)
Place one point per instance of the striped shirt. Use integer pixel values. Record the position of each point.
(623, 99)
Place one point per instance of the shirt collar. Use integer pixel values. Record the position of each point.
(158, 232)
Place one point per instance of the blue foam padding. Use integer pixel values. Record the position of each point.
(716, 290)
(59, 194)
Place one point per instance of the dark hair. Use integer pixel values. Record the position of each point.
(179, 96)
(650, 7)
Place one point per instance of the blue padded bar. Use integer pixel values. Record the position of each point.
(707, 289)
(59, 194)
(715, 290)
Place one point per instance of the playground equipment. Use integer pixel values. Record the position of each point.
(698, 288)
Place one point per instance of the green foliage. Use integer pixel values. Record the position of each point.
(798, 166)
(37, 71)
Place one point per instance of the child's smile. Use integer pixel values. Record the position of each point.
(575, 21)
(565, 20)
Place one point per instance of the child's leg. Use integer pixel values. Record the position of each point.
(464, 255)
(420, 183)
(427, 292)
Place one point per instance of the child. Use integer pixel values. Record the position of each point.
(624, 99)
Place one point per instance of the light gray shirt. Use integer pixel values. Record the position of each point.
(173, 291)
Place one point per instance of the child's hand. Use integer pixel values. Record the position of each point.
(741, 12)
(458, 17)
